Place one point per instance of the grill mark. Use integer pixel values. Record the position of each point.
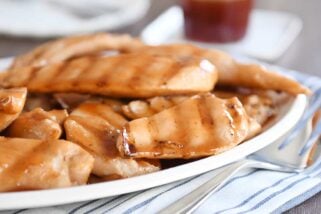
(135, 66)
(182, 126)
(91, 64)
(192, 123)
(183, 58)
(48, 147)
(98, 72)
(51, 83)
(16, 168)
(69, 67)
(62, 67)
(152, 129)
(32, 75)
(84, 67)
(172, 70)
(111, 72)
(38, 54)
(206, 119)
(32, 145)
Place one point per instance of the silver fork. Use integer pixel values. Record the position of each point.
(271, 158)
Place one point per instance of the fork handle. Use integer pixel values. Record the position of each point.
(191, 201)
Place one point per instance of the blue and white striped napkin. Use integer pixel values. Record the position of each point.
(254, 191)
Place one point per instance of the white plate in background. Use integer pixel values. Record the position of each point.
(52, 18)
(269, 34)
(288, 117)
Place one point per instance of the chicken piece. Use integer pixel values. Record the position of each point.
(260, 106)
(44, 101)
(145, 108)
(95, 127)
(27, 164)
(200, 126)
(11, 105)
(38, 124)
(231, 72)
(127, 75)
(257, 106)
(75, 46)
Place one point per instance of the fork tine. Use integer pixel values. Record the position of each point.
(315, 104)
(312, 139)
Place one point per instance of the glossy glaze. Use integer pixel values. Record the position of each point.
(199, 126)
(38, 124)
(126, 75)
(27, 164)
(96, 127)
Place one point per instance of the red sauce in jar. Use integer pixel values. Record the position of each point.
(216, 20)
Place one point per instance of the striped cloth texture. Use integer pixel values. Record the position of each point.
(250, 191)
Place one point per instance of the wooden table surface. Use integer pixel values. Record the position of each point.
(303, 55)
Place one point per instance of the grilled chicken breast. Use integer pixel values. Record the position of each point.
(75, 46)
(200, 126)
(231, 72)
(27, 164)
(11, 105)
(95, 127)
(127, 75)
(38, 124)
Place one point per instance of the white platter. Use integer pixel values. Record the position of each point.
(289, 116)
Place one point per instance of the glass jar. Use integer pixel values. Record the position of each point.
(216, 20)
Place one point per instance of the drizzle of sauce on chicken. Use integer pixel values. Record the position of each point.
(11, 104)
(231, 72)
(28, 164)
(126, 75)
(200, 126)
(98, 136)
(38, 124)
